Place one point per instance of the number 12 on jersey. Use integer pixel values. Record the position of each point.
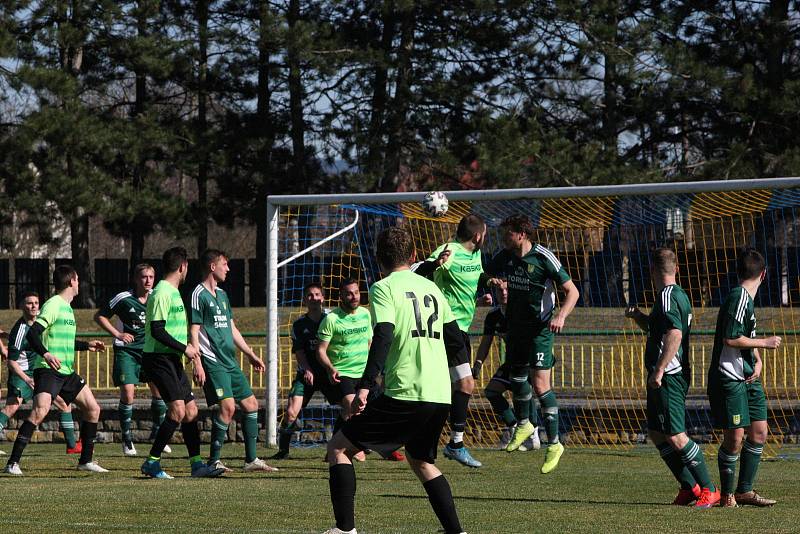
(429, 301)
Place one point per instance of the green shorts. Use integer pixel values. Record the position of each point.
(19, 389)
(736, 404)
(666, 406)
(532, 347)
(127, 367)
(225, 384)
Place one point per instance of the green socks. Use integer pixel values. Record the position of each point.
(695, 462)
(158, 411)
(125, 415)
(549, 405)
(751, 457)
(727, 469)
(3, 420)
(250, 432)
(523, 393)
(675, 464)
(68, 428)
(219, 432)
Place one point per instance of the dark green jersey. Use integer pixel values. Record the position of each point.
(416, 368)
(58, 321)
(212, 311)
(736, 318)
(304, 337)
(131, 312)
(458, 280)
(165, 304)
(672, 310)
(18, 348)
(532, 283)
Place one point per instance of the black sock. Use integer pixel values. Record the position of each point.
(441, 499)
(88, 432)
(23, 438)
(337, 424)
(284, 438)
(458, 414)
(342, 484)
(191, 437)
(163, 436)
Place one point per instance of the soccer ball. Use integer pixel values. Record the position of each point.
(435, 203)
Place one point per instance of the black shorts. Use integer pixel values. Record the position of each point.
(166, 372)
(65, 386)
(460, 364)
(388, 424)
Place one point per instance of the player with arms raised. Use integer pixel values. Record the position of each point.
(415, 334)
(666, 359)
(738, 401)
(457, 269)
(531, 273)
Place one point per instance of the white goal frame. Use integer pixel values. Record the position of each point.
(275, 202)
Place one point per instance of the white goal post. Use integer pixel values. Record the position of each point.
(275, 203)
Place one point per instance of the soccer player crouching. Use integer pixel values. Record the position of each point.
(737, 397)
(215, 336)
(414, 333)
(53, 336)
(666, 359)
(311, 376)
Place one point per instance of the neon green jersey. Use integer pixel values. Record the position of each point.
(165, 304)
(458, 280)
(416, 368)
(348, 336)
(58, 337)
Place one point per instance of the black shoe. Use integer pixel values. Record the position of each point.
(280, 455)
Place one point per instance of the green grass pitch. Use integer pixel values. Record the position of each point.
(591, 491)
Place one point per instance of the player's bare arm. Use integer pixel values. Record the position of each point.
(13, 367)
(638, 316)
(242, 345)
(671, 343)
(104, 323)
(481, 354)
(570, 300)
(322, 356)
(743, 342)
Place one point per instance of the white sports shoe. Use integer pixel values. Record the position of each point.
(167, 449)
(2, 453)
(13, 469)
(128, 451)
(219, 465)
(335, 530)
(258, 465)
(92, 467)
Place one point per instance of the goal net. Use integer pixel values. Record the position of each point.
(604, 237)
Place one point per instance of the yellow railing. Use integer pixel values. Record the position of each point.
(580, 367)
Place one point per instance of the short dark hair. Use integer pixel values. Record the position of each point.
(63, 275)
(394, 247)
(469, 225)
(173, 259)
(27, 294)
(209, 256)
(347, 282)
(311, 285)
(518, 223)
(749, 264)
(664, 260)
